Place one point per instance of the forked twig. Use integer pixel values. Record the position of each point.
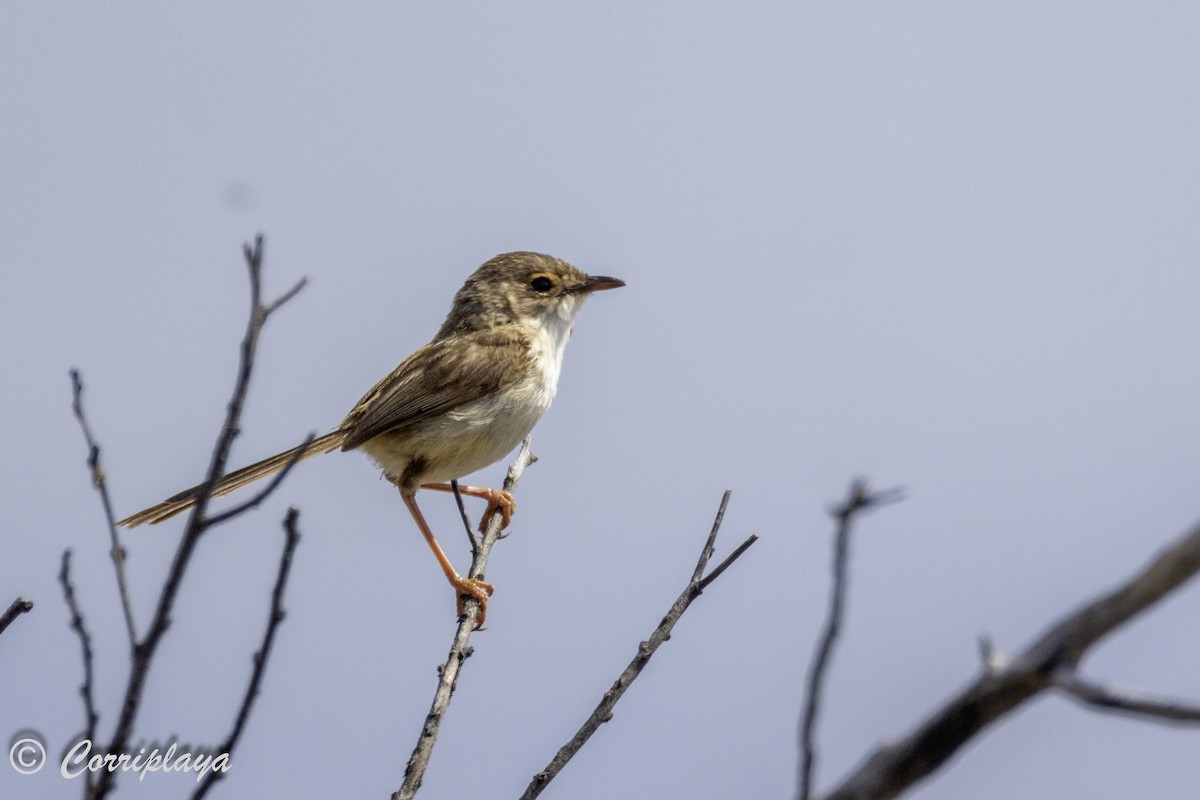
(1006, 684)
(604, 710)
(265, 492)
(144, 650)
(858, 500)
(418, 762)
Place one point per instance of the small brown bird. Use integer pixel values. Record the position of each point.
(459, 403)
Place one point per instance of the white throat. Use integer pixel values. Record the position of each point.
(552, 335)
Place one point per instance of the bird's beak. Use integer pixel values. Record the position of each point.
(595, 283)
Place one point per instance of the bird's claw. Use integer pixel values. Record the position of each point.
(498, 500)
(473, 589)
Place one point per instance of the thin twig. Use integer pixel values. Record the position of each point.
(710, 543)
(197, 524)
(1108, 698)
(98, 480)
(729, 559)
(858, 499)
(85, 642)
(448, 672)
(19, 606)
(894, 767)
(272, 307)
(604, 710)
(264, 493)
(462, 511)
(292, 538)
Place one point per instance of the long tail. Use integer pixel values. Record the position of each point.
(234, 480)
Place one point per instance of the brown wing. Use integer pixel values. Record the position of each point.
(442, 375)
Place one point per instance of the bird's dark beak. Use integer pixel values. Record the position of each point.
(595, 283)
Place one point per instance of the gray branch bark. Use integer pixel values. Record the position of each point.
(604, 710)
(448, 672)
(145, 648)
(1004, 686)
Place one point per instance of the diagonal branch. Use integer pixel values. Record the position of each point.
(604, 711)
(418, 762)
(274, 305)
(143, 653)
(85, 642)
(858, 500)
(729, 559)
(462, 512)
(98, 480)
(264, 493)
(1005, 685)
(22, 605)
(292, 539)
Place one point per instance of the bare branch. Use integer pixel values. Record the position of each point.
(98, 480)
(894, 767)
(604, 710)
(414, 773)
(262, 494)
(729, 559)
(710, 543)
(292, 538)
(1108, 698)
(21, 605)
(85, 642)
(858, 500)
(462, 511)
(272, 307)
(197, 524)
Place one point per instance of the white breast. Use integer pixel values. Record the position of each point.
(482, 432)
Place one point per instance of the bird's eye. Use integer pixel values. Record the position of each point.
(541, 284)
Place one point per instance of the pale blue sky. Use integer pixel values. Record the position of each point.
(946, 247)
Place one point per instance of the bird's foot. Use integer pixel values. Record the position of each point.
(497, 500)
(472, 589)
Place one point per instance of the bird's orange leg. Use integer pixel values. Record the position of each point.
(497, 499)
(472, 588)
